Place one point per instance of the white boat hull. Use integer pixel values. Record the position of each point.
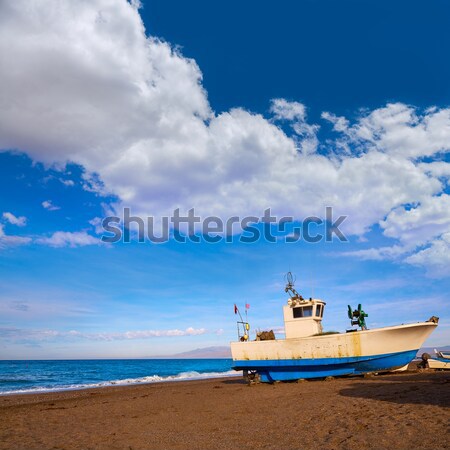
(438, 363)
(356, 352)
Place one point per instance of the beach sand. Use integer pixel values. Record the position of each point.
(396, 411)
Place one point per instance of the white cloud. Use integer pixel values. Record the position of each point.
(57, 239)
(295, 112)
(401, 131)
(15, 334)
(379, 253)
(85, 84)
(47, 204)
(420, 224)
(68, 239)
(340, 124)
(423, 233)
(11, 241)
(435, 258)
(96, 222)
(285, 110)
(98, 84)
(439, 169)
(11, 218)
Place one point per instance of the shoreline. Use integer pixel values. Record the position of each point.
(400, 410)
(116, 383)
(412, 367)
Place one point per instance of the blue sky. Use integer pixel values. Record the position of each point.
(230, 109)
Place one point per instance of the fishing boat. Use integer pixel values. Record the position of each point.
(440, 361)
(309, 352)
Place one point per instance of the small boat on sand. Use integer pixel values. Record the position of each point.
(440, 361)
(440, 354)
(309, 352)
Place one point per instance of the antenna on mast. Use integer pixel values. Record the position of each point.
(290, 280)
(312, 275)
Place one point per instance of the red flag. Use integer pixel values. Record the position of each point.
(247, 306)
(235, 309)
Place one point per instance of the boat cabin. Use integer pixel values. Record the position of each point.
(302, 317)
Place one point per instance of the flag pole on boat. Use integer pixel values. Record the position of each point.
(245, 324)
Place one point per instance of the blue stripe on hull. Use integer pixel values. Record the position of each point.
(446, 360)
(294, 369)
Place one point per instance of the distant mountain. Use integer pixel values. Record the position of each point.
(206, 353)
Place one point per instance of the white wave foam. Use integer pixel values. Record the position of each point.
(183, 376)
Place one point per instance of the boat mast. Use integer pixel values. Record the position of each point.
(290, 279)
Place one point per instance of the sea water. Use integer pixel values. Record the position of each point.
(45, 376)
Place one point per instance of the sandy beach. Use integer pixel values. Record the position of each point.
(395, 411)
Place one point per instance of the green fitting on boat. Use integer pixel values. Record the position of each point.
(358, 316)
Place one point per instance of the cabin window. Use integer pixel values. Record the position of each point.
(304, 311)
(319, 311)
